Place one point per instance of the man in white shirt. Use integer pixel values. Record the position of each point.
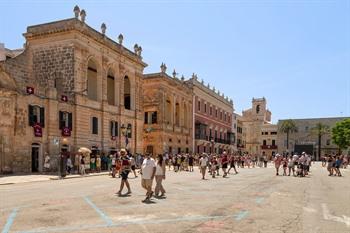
(148, 170)
(203, 162)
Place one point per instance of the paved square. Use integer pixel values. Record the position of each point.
(252, 201)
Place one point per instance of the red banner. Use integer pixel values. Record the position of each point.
(66, 132)
(38, 130)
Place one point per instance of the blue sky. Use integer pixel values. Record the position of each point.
(294, 53)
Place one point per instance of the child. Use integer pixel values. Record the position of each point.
(284, 163)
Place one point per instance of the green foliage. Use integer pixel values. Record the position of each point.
(288, 126)
(341, 134)
(320, 129)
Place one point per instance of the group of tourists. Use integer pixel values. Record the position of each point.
(335, 163)
(149, 170)
(298, 165)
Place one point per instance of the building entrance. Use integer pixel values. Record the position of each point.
(35, 157)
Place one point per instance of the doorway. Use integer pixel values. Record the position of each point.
(35, 157)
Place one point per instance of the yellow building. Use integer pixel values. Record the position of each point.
(70, 86)
(167, 114)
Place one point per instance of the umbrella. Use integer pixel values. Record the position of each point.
(84, 150)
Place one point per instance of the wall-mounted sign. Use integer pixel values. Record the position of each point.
(30, 90)
(38, 130)
(64, 98)
(66, 132)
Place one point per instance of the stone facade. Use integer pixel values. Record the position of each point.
(168, 114)
(54, 65)
(212, 119)
(255, 122)
(307, 139)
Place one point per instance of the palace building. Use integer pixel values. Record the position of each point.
(213, 113)
(70, 86)
(168, 114)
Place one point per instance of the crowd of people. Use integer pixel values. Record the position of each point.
(121, 164)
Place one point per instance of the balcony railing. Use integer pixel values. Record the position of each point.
(216, 140)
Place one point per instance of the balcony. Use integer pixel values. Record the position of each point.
(269, 147)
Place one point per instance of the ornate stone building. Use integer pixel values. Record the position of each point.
(259, 134)
(167, 114)
(71, 86)
(212, 119)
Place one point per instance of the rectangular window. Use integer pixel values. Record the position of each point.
(154, 118)
(94, 125)
(273, 142)
(36, 115)
(211, 111)
(65, 120)
(220, 115)
(273, 133)
(114, 129)
(205, 108)
(225, 117)
(199, 105)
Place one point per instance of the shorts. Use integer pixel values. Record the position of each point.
(133, 167)
(232, 165)
(224, 165)
(124, 174)
(146, 183)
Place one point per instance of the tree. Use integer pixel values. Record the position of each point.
(320, 130)
(341, 134)
(288, 127)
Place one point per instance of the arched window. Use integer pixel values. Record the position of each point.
(177, 114)
(110, 88)
(92, 80)
(257, 109)
(127, 93)
(168, 112)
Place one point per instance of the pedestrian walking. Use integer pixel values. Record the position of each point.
(133, 165)
(69, 165)
(203, 163)
(160, 176)
(47, 162)
(232, 164)
(148, 170)
(98, 163)
(224, 162)
(82, 165)
(125, 169)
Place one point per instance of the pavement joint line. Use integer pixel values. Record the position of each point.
(128, 222)
(10, 220)
(105, 217)
(241, 215)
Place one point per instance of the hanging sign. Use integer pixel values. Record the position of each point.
(66, 132)
(38, 130)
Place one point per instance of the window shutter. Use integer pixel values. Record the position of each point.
(61, 123)
(70, 121)
(154, 118)
(94, 125)
(30, 115)
(111, 128)
(42, 117)
(116, 128)
(146, 118)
